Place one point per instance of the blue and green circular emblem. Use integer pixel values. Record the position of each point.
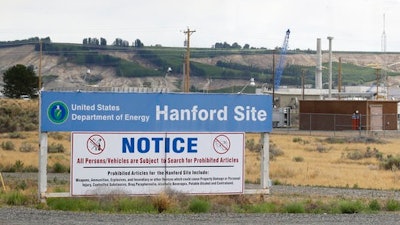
(58, 112)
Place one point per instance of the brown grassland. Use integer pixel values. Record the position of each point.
(313, 162)
(309, 161)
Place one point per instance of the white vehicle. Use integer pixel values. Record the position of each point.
(25, 97)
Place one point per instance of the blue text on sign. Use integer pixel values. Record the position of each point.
(159, 144)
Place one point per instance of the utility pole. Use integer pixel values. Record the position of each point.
(186, 87)
(40, 65)
(273, 78)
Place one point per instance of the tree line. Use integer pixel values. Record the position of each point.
(226, 45)
(119, 42)
(32, 40)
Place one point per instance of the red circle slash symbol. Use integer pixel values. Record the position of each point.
(95, 144)
(221, 144)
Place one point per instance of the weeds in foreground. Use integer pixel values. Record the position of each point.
(198, 205)
(173, 203)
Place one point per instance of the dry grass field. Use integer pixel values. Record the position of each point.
(31, 157)
(302, 160)
(311, 161)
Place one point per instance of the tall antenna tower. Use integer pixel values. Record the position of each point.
(383, 75)
(383, 37)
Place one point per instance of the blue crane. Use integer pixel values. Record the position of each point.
(279, 68)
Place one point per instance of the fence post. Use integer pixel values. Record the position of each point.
(334, 124)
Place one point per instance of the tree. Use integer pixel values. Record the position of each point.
(236, 46)
(103, 42)
(138, 43)
(93, 41)
(20, 80)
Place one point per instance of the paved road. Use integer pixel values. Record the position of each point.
(28, 216)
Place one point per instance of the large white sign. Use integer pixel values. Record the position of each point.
(149, 163)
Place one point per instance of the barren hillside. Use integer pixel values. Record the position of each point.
(71, 75)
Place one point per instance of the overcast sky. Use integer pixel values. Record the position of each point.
(356, 25)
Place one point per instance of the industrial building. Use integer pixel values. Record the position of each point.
(345, 108)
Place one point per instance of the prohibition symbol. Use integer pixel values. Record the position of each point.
(95, 144)
(221, 144)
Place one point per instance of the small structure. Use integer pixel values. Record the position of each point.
(339, 115)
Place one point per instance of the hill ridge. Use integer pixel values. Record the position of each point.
(62, 73)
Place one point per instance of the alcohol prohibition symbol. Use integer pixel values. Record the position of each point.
(95, 144)
(221, 144)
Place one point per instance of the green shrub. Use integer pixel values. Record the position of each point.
(199, 206)
(55, 148)
(265, 207)
(30, 169)
(274, 151)
(300, 140)
(317, 207)
(391, 162)
(392, 205)
(18, 166)
(21, 185)
(26, 147)
(297, 139)
(321, 148)
(298, 159)
(335, 140)
(363, 139)
(350, 207)
(374, 205)
(355, 155)
(16, 135)
(16, 198)
(252, 146)
(294, 207)
(56, 135)
(73, 204)
(8, 146)
(368, 153)
(128, 205)
(59, 168)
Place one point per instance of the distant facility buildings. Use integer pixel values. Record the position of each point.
(344, 108)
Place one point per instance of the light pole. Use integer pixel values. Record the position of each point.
(251, 83)
(330, 67)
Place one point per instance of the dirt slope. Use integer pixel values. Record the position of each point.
(74, 76)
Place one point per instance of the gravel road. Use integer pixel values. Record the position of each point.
(29, 216)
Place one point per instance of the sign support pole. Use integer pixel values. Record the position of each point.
(42, 179)
(42, 175)
(265, 181)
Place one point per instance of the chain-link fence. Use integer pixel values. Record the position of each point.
(341, 124)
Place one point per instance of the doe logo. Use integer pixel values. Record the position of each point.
(58, 112)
